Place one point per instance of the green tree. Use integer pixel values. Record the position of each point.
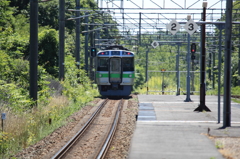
(48, 51)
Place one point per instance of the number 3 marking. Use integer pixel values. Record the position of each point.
(191, 27)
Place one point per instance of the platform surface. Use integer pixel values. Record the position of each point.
(168, 128)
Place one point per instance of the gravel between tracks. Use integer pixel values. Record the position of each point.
(48, 146)
(229, 147)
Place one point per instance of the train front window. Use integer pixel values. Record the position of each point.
(102, 64)
(115, 64)
(128, 64)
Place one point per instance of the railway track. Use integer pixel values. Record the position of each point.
(69, 150)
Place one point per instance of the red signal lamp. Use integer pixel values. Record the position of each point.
(193, 48)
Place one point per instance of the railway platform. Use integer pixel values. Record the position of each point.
(168, 128)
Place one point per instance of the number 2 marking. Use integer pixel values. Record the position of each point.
(174, 25)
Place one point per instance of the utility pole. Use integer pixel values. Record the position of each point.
(92, 46)
(177, 68)
(61, 38)
(33, 49)
(227, 66)
(202, 106)
(139, 33)
(239, 58)
(86, 43)
(219, 69)
(188, 99)
(77, 44)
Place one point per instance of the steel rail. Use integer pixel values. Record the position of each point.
(71, 142)
(102, 153)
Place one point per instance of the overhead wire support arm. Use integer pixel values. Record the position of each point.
(95, 24)
(94, 30)
(84, 16)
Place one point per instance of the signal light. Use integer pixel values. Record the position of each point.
(193, 48)
(93, 52)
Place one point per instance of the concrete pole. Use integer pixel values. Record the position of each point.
(202, 106)
(139, 33)
(227, 66)
(219, 70)
(177, 69)
(239, 59)
(33, 49)
(61, 38)
(77, 44)
(86, 43)
(188, 99)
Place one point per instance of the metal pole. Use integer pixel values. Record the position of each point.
(139, 34)
(86, 43)
(33, 49)
(219, 71)
(91, 58)
(227, 66)
(202, 106)
(163, 83)
(177, 68)
(61, 38)
(77, 44)
(239, 59)
(210, 65)
(213, 67)
(193, 89)
(188, 99)
(146, 71)
(213, 73)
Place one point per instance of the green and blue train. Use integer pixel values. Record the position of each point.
(115, 71)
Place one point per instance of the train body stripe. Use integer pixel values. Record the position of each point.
(128, 75)
(114, 75)
(102, 75)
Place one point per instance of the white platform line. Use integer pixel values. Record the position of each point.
(188, 103)
(183, 121)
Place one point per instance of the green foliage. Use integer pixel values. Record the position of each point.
(13, 98)
(48, 14)
(15, 45)
(235, 90)
(6, 16)
(139, 77)
(219, 144)
(48, 51)
(77, 86)
(4, 142)
(29, 124)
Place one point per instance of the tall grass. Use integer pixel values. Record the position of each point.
(22, 130)
(157, 83)
(25, 126)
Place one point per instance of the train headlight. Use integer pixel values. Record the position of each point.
(130, 76)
